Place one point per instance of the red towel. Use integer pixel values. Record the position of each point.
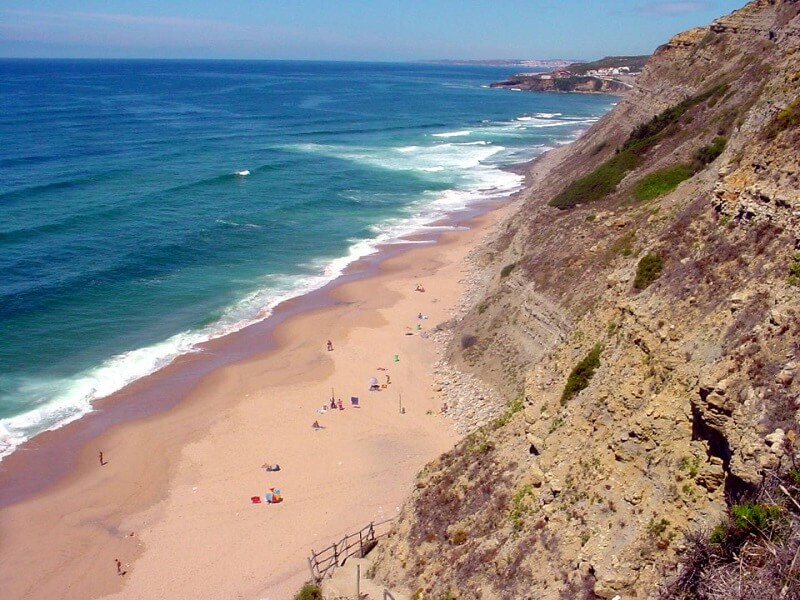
(255, 499)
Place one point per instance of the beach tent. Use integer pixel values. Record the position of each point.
(373, 384)
(273, 496)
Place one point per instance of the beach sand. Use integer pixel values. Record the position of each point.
(173, 501)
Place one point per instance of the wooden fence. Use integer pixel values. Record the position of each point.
(324, 562)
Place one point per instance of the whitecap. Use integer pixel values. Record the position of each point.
(449, 134)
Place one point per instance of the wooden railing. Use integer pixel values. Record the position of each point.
(324, 562)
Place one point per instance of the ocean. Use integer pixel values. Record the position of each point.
(149, 206)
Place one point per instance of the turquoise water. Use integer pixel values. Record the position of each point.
(148, 206)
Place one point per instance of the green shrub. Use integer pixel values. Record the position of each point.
(794, 271)
(624, 244)
(788, 118)
(656, 528)
(521, 506)
(467, 341)
(597, 184)
(709, 153)
(309, 591)
(485, 446)
(707, 38)
(747, 520)
(649, 269)
(717, 535)
(582, 374)
(557, 422)
(516, 405)
(459, 537)
(661, 182)
(653, 127)
(794, 475)
(755, 518)
(605, 178)
(691, 465)
(506, 271)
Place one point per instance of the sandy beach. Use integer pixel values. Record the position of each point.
(173, 501)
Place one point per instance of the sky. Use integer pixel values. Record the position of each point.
(360, 30)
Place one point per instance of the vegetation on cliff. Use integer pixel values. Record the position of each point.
(661, 182)
(648, 270)
(582, 374)
(788, 118)
(604, 179)
(752, 554)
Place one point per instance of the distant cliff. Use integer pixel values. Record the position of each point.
(644, 324)
(570, 83)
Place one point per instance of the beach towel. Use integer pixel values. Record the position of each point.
(255, 499)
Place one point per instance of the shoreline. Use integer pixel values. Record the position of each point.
(50, 455)
(74, 473)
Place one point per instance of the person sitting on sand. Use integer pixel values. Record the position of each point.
(444, 407)
(333, 404)
(271, 467)
(419, 288)
(315, 426)
(340, 405)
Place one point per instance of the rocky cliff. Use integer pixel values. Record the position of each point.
(576, 83)
(643, 322)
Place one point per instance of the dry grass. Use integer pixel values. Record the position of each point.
(751, 562)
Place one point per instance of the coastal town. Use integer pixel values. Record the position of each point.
(611, 75)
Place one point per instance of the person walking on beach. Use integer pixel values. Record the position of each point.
(102, 462)
(330, 346)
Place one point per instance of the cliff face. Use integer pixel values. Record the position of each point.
(585, 492)
(582, 84)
